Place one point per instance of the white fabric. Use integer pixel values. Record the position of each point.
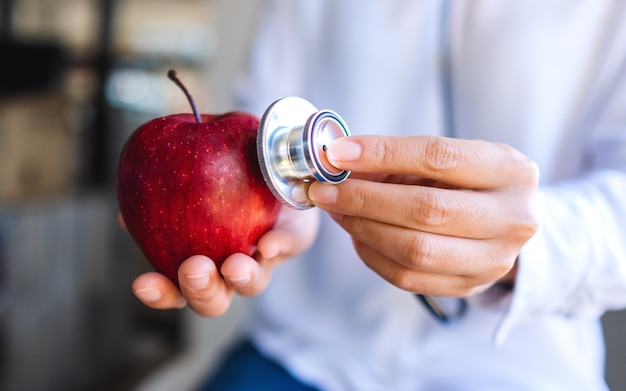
(547, 77)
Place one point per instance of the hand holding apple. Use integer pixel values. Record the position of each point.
(209, 291)
(191, 184)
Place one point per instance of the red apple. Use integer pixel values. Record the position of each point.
(191, 184)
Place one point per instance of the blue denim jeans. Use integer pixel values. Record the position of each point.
(246, 369)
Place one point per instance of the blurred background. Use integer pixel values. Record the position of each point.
(76, 78)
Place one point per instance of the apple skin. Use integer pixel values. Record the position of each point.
(186, 188)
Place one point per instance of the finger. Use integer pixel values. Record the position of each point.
(416, 281)
(460, 213)
(203, 287)
(157, 291)
(472, 164)
(294, 232)
(121, 222)
(276, 243)
(430, 253)
(247, 276)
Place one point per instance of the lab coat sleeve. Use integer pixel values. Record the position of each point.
(575, 265)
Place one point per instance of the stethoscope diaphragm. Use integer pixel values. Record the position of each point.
(291, 146)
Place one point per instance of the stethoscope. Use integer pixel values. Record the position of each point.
(291, 146)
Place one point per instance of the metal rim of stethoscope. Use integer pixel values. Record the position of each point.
(291, 146)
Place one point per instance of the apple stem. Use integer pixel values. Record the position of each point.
(173, 76)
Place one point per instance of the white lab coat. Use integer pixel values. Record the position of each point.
(545, 76)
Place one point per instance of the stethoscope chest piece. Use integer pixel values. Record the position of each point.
(291, 146)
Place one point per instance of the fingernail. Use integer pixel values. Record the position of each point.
(243, 280)
(323, 194)
(298, 193)
(197, 281)
(271, 252)
(149, 295)
(343, 150)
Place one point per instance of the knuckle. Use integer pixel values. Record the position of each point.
(526, 170)
(526, 222)
(429, 209)
(531, 169)
(359, 199)
(530, 221)
(441, 154)
(381, 151)
(420, 251)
